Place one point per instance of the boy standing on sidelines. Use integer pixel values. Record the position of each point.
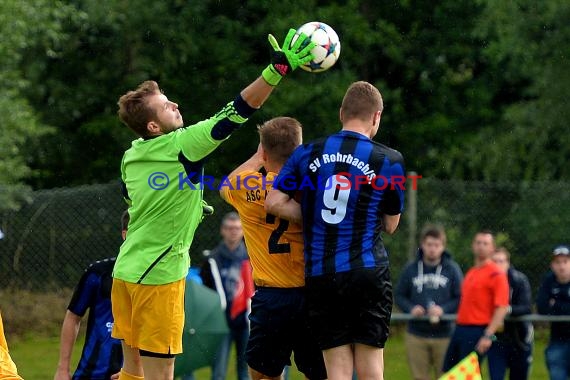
(429, 286)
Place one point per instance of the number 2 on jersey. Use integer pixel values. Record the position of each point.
(335, 199)
(273, 244)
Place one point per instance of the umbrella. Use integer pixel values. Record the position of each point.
(205, 326)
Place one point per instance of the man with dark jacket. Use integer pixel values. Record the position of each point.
(513, 348)
(429, 286)
(554, 299)
(228, 270)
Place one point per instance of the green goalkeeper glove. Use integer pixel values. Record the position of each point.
(288, 57)
(207, 210)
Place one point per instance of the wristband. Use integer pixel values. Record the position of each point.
(491, 337)
(271, 76)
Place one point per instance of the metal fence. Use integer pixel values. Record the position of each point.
(49, 241)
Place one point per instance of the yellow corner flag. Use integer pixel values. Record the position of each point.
(466, 369)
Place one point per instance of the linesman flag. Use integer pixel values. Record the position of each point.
(244, 292)
(466, 369)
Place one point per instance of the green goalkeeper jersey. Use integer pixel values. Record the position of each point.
(161, 179)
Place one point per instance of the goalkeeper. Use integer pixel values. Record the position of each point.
(149, 274)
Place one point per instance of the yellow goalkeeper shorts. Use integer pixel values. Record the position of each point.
(149, 317)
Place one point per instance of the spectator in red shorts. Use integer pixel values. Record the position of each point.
(483, 305)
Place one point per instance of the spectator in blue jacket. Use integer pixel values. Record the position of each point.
(554, 299)
(429, 286)
(513, 348)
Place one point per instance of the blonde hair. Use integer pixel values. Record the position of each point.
(279, 137)
(361, 101)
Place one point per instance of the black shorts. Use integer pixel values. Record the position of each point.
(350, 307)
(278, 328)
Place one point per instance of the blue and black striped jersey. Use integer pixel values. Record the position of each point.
(348, 182)
(102, 355)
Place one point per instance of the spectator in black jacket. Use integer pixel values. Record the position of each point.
(513, 348)
(225, 271)
(554, 299)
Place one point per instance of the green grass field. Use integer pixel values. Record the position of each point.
(36, 359)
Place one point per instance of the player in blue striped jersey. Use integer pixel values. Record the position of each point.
(352, 189)
(102, 356)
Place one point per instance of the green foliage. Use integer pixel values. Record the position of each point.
(470, 88)
(528, 43)
(22, 24)
(20, 125)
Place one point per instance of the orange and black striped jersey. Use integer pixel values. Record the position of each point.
(275, 246)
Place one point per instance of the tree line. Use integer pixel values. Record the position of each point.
(473, 90)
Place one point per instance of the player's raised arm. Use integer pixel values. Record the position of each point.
(281, 205)
(279, 201)
(202, 138)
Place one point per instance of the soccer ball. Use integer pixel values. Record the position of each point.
(326, 51)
